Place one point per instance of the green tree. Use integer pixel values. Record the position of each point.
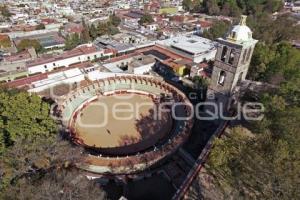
(231, 9)
(72, 41)
(93, 31)
(211, 7)
(102, 29)
(262, 57)
(23, 116)
(256, 166)
(114, 20)
(5, 43)
(26, 43)
(34, 162)
(200, 82)
(271, 31)
(187, 5)
(4, 11)
(275, 63)
(85, 33)
(40, 27)
(235, 7)
(146, 19)
(57, 184)
(219, 29)
(272, 6)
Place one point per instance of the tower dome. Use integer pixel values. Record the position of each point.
(240, 32)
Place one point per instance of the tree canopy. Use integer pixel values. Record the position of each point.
(23, 116)
(219, 29)
(85, 33)
(57, 184)
(72, 41)
(105, 28)
(146, 19)
(4, 11)
(232, 7)
(35, 163)
(40, 27)
(260, 166)
(114, 20)
(5, 43)
(26, 43)
(270, 31)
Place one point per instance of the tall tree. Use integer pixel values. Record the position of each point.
(57, 184)
(146, 19)
(26, 43)
(4, 11)
(24, 116)
(219, 29)
(114, 20)
(187, 5)
(72, 41)
(93, 31)
(34, 162)
(211, 7)
(85, 33)
(40, 27)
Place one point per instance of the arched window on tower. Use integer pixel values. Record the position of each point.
(248, 55)
(222, 77)
(231, 57)
(244, 56)
(233, 35)
(224, 52)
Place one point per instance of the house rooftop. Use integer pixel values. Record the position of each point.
(141, 60)
(68, 54)
(112, 44)
(193, 45)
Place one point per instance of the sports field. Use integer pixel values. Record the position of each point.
(121, 120)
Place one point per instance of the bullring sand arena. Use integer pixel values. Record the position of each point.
(119, 123)
(134, 125)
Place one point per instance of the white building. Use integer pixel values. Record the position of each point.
(65, 77)
(196, 48)
(80, 54)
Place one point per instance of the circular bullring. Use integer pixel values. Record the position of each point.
(126, 123)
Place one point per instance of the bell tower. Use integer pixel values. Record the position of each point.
(232, 60)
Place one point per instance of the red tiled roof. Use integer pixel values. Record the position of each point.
(4, 37)
(48, 21)
(123, 57)
(73, 28)
(170, 53)
(26, 81)
(107, 51)
(205, 24)
(18, 56)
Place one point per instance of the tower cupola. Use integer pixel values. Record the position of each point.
(240, 32)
